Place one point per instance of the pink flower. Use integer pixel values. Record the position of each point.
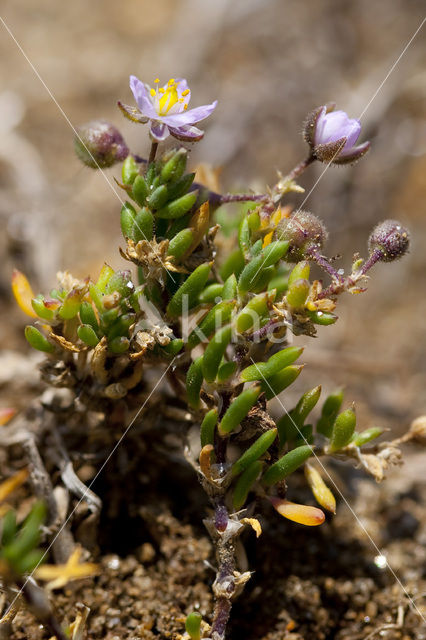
(332, 136)
(166, 108)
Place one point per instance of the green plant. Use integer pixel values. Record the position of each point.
(219, 326)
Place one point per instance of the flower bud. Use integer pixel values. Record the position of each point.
(303, 231)
(99, 144)
(418, 430)
(391, 239)
(332, 136)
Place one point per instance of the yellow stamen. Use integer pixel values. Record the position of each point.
(152, 92)
(171, 82)
(185, 107)
(169, 98)
(157, 80)
(185, 93)
(161, 90)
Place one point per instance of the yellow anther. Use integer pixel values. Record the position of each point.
(152, 92)
(161, 90)
(171, 82)
(185, 93)
(169, 98)
(157, 80)
(185, 107)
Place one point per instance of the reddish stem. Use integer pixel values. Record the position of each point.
(300, 168)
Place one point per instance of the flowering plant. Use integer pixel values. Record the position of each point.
(214, 318)
(166, 108)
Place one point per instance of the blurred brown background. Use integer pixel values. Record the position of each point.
(268, 62)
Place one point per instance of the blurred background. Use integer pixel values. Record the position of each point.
(268, 62)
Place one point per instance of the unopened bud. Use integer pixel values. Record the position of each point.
(99, 144)
(303, 231)
(332, 136)
(391, 239)
(418, 430)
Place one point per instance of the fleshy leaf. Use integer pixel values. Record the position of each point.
(300, 513)
(23, 293)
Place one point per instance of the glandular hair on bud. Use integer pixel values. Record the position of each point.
(389, 238)
(99, 144)
(304, 231)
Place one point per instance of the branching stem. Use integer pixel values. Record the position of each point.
(322, 262)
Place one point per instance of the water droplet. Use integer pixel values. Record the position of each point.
(380, 561)
(114, 563)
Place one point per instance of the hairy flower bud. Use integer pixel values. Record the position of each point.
(303, 231)
(99, 144)
(332, 136)
(389, 238)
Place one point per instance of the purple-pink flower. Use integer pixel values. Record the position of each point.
(166, 108)
(336, 125)
(332, 136)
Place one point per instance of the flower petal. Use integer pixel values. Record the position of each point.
(159, 131)
(319, 125)
(142, 98)
(335, 125)
(187, 133)
(182, 86)
(353, 130)
(192, 116)
(132, 113)
(348, 156)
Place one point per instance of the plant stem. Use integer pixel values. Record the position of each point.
(40, 606)
(152, 153)
(322, 262)
(242, 197)
(345, 283)
(224, 585)
(371, 261)
(300, 168)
